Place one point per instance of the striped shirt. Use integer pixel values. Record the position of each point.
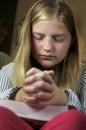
(7, 89)
(81, 88)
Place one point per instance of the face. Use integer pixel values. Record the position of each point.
(51, 41)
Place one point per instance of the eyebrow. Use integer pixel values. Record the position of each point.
(59, 35)
(55, 35)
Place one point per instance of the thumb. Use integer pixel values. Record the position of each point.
(50, 72)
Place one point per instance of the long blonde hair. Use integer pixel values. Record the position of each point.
(69, 67)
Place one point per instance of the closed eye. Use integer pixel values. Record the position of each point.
(58, 38)
(38, 36)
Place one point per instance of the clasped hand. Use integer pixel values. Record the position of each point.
(39, 88)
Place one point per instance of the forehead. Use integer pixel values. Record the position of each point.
(49, 25)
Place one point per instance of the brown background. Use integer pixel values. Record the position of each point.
(15, 9)
(7, 18)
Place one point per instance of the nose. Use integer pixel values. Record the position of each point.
(48, 44)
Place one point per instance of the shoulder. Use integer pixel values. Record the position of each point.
(82, 78)
(83, 72)
(83, 67)
(7, 70)
(6, 76)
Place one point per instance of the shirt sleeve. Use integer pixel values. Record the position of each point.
(7, 91)
(73, 99)
(81, 88)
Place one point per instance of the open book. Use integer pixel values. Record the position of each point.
(28, 112)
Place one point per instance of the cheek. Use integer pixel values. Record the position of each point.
(35, 47)
(62, 50)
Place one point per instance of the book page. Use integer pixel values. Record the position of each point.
(28, 112)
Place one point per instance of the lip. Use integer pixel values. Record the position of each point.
(46, 57)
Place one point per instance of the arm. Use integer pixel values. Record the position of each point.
(7, 90)
(81, 87)
(73, 99)
(40, 90)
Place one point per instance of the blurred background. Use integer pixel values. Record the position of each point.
(11, 16)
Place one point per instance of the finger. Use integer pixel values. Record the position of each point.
(30, 79)
(39, 86)
(50, 72)
(30, 100)
(41, 75)
(44, 86)
(46, 77)
(34, 101)
(31, 89)
(44, 96)
(32, 71)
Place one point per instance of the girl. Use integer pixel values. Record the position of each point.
(47, 65)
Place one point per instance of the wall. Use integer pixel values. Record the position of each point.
(7, 17)
(22, 6)
(79, 9)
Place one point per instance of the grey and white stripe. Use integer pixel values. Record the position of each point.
(6, 87)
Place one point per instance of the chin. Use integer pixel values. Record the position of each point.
(47, 66)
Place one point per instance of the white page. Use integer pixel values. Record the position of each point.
(25, 111)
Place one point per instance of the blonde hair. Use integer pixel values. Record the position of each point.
(67, 71)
